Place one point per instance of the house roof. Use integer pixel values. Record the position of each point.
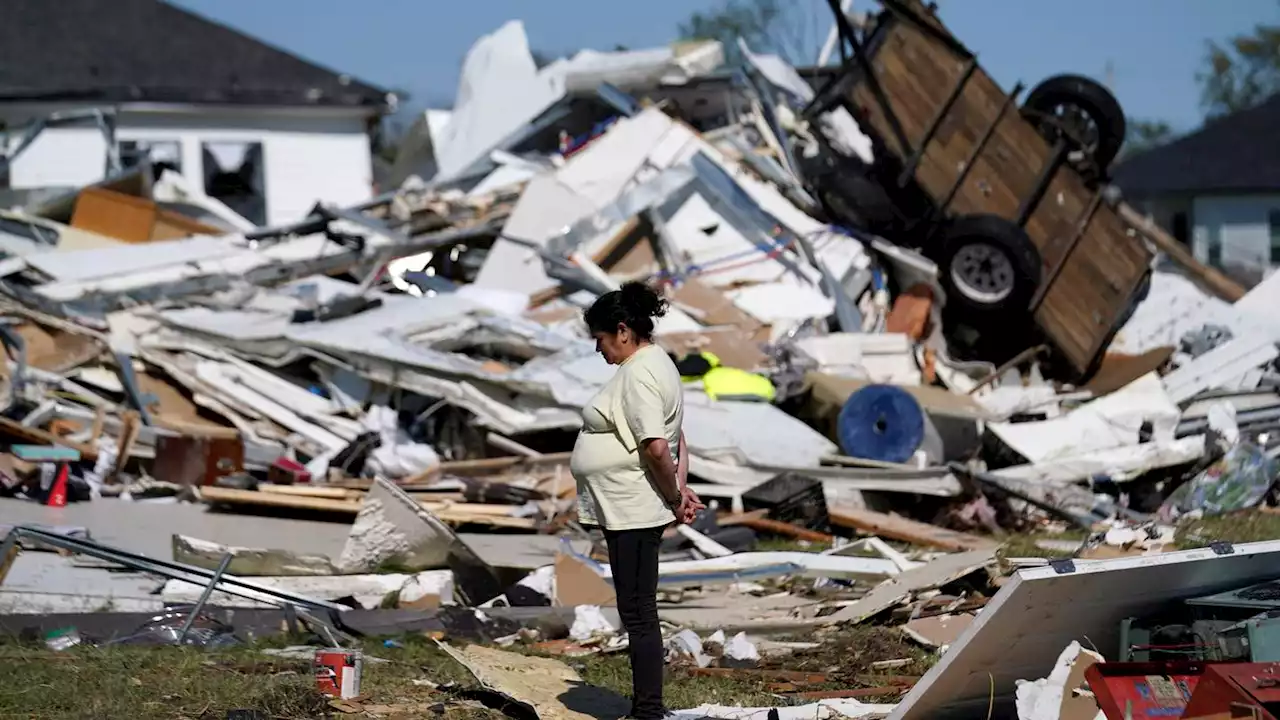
(1238, 153)
(151, 51)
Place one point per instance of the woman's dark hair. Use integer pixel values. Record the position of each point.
(634, 305)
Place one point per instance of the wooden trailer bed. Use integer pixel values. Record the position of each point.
(967, 145)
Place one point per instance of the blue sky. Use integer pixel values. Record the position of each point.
(1153, 47)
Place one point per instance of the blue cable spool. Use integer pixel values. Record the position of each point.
(881, 422)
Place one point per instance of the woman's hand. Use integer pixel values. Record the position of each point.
(689, 506)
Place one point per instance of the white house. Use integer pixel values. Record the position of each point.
(263, 130)
(1217, 190)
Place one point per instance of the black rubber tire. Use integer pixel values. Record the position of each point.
(1094, 100)
(1022, 272)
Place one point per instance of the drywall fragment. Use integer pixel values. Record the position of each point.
(369, 591)
(589, 624)
(398, 455)
(544, 686)
(1048, 698)
(249, 561)
(1118, 464)
(686, 647)
(1113, 421)
(394, 530)
(426, 590)
(741, 649)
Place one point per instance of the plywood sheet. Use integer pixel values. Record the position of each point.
(56, 350)
(896, 527)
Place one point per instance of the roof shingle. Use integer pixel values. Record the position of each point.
(151, 51)
(1238, 153)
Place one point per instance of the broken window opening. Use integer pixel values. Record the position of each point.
(1273, 224)
(507, 355)
(453, 432)
(234, 174)
(489, 346)
(162, 154)
(1215, 246)
(1180, 229)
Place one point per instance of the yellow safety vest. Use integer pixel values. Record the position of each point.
(728, 382)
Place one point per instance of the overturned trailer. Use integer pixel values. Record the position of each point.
(1011, 202)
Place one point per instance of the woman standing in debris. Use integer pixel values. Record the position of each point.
(630, 464)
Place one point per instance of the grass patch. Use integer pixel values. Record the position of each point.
(1238, 527)
(845, 656)
(145, 683)
(1023, 546)
(680, 689)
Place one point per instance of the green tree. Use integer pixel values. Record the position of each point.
(793, 29)
(1242, 72)
(1144, 135)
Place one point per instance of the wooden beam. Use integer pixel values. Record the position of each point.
(36, 436)
(1207, 277)
(487, 466)
(785, 529)
(895, 527)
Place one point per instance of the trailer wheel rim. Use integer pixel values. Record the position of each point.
(983, 273)
(1078, 124)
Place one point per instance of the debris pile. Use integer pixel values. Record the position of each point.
(889, 370)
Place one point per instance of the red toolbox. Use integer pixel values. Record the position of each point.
(1144, 690)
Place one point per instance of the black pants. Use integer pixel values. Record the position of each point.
(633, 558)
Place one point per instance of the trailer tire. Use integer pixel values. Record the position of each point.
(988, 265)
(1087, 97)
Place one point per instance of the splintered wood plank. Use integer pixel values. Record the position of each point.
(894, 527)
(454, 513)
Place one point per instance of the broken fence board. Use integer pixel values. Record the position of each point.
(486, 466)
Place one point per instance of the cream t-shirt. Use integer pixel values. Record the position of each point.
(643, 400)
